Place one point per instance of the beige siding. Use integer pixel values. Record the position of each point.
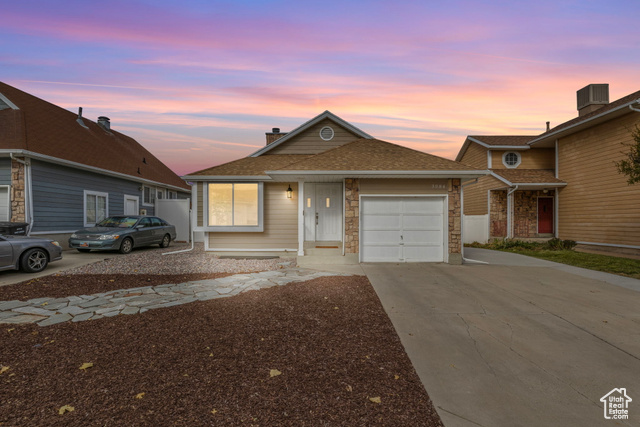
(280, 223)
(309, 142)
(597, 205)
(403, 186)
(476, 156)
(536, 158)
(476, 195)
(199, 208)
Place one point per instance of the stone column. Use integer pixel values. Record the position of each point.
(352, 216)
(17, 192)
(455, 219)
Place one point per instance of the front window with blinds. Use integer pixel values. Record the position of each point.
(235, 206)
(95, 207)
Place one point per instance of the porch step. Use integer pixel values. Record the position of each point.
(308, 261)
(326, 251)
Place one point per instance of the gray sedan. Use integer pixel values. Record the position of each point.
(123, 233)
(29, 254)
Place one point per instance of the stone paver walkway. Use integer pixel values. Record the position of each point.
(49, 311)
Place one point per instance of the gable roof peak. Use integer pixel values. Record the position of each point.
(309, 123)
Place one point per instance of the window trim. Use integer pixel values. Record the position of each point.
(233, 228)
(504, 159)
(145, 203)
(84, 205)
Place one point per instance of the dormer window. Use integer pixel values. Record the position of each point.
(511, 159)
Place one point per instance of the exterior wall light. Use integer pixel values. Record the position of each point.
(289, 192)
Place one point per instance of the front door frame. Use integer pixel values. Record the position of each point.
(313, 214)
(132, 198)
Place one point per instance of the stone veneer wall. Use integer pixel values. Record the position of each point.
(455, 233)
(525, 213)
(352, 216)
(498, 218)
(17, 191)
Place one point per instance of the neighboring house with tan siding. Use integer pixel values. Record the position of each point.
(597, 206)
(329, 192)
(516, 199)
(574, 162)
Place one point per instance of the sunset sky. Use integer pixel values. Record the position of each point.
(199, 82)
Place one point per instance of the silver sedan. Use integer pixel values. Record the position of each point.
(29, 254)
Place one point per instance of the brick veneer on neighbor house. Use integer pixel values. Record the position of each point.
(525, 213)
(17, 191)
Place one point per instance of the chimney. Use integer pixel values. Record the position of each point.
(274, 135)
(105, 123)
(592, 98)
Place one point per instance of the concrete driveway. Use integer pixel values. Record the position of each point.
(517, 342)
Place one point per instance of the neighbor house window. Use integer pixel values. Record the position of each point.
(235, 206)
(95, 207)
(148, 195)
(511, 159)
(172, 194)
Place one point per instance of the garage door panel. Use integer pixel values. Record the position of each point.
(381, 253)
(382, 222)
(421, 222)
(406, 229)
(423, 237)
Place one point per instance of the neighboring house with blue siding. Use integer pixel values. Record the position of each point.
(60, 172)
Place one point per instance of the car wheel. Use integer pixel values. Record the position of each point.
(34, 260)
(126, 246)
(166, 240)
(84, 250)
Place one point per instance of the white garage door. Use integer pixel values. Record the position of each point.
(402, 229)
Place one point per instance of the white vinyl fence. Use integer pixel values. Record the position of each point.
(475, 228)
(176, 212)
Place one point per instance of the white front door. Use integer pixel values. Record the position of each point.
(131, 205)
(323, 212)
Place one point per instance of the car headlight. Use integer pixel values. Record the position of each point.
(75, 236)
(53, 242)
(108, 237)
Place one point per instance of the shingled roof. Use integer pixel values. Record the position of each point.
(374, 155)
(503, 140)
(40, 127)
(251, 166)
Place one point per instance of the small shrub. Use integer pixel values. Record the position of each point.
(556, 244)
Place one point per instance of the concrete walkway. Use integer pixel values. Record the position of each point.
(49, 311)
(518, 341)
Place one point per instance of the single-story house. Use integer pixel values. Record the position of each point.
(563, 182)
(328, 189)
(60, 172)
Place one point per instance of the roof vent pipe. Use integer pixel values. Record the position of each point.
(548, 126)
(79, 119)
(104, 122)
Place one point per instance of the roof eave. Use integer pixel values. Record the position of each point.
(581, 125)
(69, 163)
(342, 174)
(234, 178)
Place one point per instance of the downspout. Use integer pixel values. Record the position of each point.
(510, 212)
(28, 196)
(632, 108)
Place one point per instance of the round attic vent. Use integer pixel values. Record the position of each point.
(326, 133)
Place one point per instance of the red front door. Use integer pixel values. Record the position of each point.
(545, 215)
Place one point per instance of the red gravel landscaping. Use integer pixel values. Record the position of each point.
(60, 286)
(322, 352)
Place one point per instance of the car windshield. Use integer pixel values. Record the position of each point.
(120, 222)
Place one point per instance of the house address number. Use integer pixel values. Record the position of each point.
(438, 186)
